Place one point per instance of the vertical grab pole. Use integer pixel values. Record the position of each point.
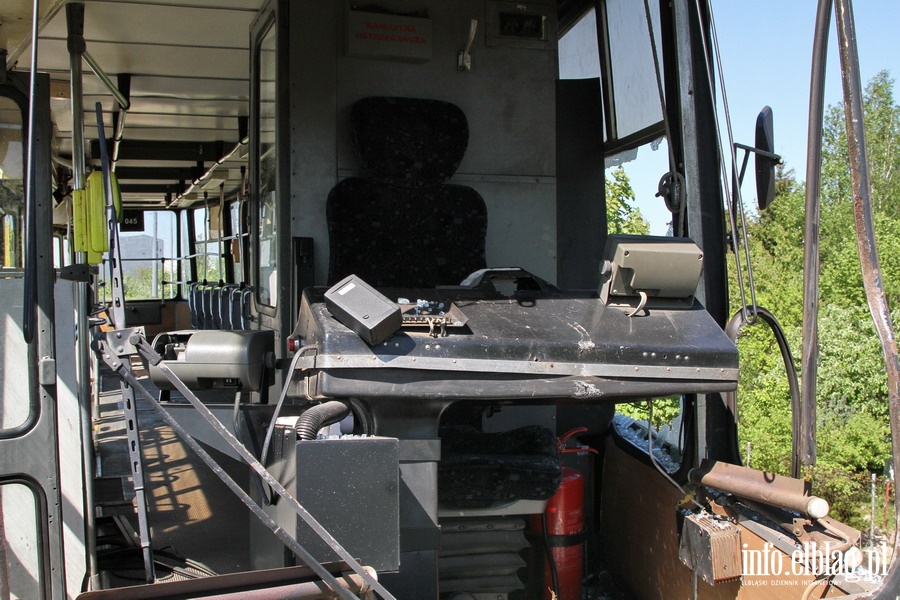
(804, 451)
(865, 236)
(76, 46)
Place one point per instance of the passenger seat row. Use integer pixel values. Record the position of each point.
(219, 305)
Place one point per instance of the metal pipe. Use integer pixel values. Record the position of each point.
(125, 89)
(286, 583)
(75, 42)
(804, 439)
(311, 590)
(209, 173)
(119, 96)
(775, 490)
(865, 236)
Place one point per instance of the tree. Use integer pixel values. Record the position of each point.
(621, 214)
(853, 439)
(882, 125)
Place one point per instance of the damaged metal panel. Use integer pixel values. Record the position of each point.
(711, 547)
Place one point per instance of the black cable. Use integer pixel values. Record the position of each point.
(732, 330)
(267, 494)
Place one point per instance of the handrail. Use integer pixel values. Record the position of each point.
(868, 250)
(209, 173)
(122, 101)
(29, 316)
(805, 448)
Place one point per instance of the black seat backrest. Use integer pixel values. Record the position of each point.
(194, 302)
(402, 225)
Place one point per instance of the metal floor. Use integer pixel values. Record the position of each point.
(191, 512)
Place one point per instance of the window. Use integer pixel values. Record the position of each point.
(656, 423)
(236, 241)
(12, 186)
(630, 79)
(579, 57)
(208, 234)
(150, 269)
(267, 172)
(633, 166)
(18, 409)
(187, 266)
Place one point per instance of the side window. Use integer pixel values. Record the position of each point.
(637, 154)
(187, 266)
(149, 257)
(12, 186)
(267, 175)
(655, 424)
(579, 56)
(236, 245)
(15, 410)
(207, 244)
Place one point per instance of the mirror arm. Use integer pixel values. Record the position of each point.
(773, 156)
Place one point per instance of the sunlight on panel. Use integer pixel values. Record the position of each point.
(19, 551)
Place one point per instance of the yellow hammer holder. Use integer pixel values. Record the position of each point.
(89, 216)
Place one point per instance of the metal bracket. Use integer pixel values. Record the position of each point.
(120, 341)
(47, 370)
(77, 272)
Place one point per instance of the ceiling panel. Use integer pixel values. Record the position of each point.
(189, 63)
(146, 59)
(159, 25)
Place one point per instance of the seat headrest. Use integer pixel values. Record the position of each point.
(409, 142)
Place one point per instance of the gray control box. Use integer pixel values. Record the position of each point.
(363, 309)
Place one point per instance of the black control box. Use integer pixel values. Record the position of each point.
(364, 310)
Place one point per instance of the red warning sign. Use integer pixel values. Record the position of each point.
(374, 35)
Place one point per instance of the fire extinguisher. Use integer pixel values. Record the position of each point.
(562, 528)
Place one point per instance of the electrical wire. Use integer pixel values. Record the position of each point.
(267, 494)
(658, 466)
(653, 460)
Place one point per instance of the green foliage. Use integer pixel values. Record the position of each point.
(621, 214)
(852, 414)
(665, 410)
(845, 490)
(138, 282)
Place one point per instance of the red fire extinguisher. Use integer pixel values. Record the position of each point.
(562, 526)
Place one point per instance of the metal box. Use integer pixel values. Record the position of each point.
(351, 486)
(711, 547)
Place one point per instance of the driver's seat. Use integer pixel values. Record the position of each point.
(402, 225)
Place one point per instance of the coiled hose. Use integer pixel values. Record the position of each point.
(319, 416)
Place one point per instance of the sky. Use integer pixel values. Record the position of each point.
(766, 53)
(766, 49)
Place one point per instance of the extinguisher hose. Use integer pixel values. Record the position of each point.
(554, 576)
